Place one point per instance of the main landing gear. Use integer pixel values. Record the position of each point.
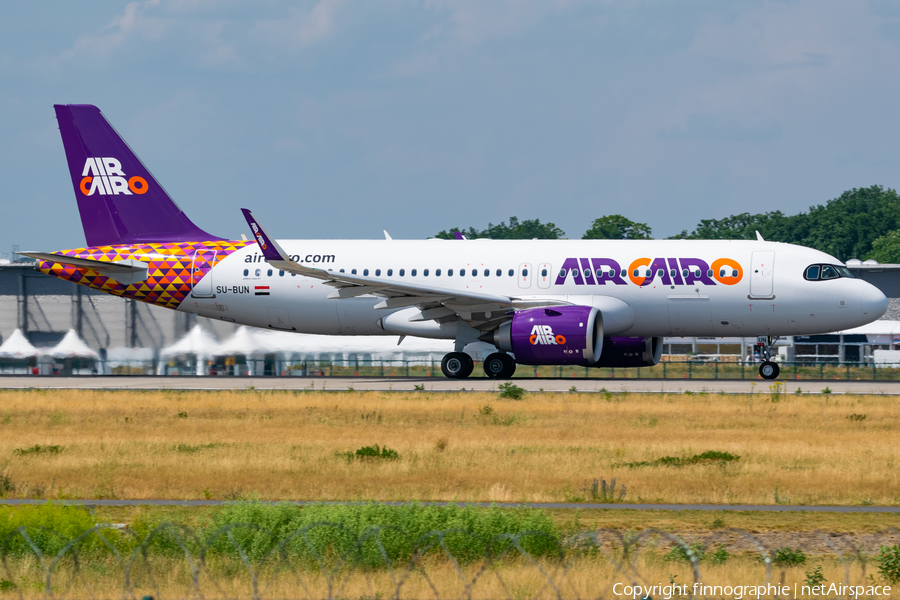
(457, 365)
(768, 369)
(499, 366)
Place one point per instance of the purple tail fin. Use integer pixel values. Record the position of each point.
(119, 200)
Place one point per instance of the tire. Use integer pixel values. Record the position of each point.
(769, 370)
(499, 366)
(457, 365)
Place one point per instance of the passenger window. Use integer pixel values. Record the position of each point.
(437, 272)
(697, 273)
(721, 272)
(499, 272)
(599, 273)
(734, 273)
(543, 272)
(684, 272)
(637, 273)
(524, 272)
(402, 272)
(562, 273)
(390, 272)
(673, 272)
(425, 273)
(342, 270)
(624, 272)
(462, 272)
(377, 272)
(587, 273)
(449, 272)
(829, 272)
(709, 273)
(258, 272)
(269, 273)
(246, 272)
(487, 272)
(365, 272)
(659, 272)
(281, 273)
(649, 273)
(413, 273)
(511, 272)
(353, 272)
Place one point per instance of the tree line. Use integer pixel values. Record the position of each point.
(861, 223)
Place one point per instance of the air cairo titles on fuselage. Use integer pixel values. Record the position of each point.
(644, 271)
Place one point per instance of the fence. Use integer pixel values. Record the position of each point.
(323, 561)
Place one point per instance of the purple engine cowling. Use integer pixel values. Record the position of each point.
(561, 335)
(630, 352)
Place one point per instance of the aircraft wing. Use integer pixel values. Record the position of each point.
(434, 302)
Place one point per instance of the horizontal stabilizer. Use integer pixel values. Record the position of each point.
(124, 271)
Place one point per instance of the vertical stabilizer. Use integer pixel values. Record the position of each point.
(119, 200)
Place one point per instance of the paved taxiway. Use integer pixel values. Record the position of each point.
(441, 384)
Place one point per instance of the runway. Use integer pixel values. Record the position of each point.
(442, 384)
(511, 505)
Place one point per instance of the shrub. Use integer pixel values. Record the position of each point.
(377, 452)
(355, 531)
(815, 577)
(709, 456)
(888, 560)
(788, 557)
(679, 553)
(37, 449)
(511, 391)
(50, 527)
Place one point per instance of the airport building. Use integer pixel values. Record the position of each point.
(45, 309)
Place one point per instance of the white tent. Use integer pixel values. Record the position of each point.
(17, 347)
(71, 346)
(196, 343)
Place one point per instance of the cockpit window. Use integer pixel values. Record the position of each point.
(816, 272)
(829, 272)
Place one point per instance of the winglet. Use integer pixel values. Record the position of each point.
(270, 248)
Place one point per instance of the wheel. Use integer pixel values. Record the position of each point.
(769, 370)
(457, 365)
(499, 366)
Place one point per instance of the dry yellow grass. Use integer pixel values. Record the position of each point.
(581, 578)
(283, 445)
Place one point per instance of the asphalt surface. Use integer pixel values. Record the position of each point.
(547, 505)
(441, 384)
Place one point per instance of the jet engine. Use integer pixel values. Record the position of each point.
(630, 352)
(561, 335)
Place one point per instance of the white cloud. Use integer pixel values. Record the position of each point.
(300, 28)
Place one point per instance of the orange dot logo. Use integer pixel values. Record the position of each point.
(561, 340)
(727, 271)
(137, 185)
(637, 279)
(85, 182)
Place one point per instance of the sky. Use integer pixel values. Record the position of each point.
(339, 118)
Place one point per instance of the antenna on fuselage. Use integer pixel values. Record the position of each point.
(759, 237)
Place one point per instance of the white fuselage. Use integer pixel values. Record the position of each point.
(769, 296)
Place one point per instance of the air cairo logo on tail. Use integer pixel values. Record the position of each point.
(542, 335)
(258, 234)
(104, 176)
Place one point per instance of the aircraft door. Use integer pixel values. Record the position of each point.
(524, 275)
(544, 275)
(202, 273)
(762, 271)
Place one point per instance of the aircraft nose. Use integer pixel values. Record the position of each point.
(873, 302)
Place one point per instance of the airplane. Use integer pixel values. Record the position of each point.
(596, 303)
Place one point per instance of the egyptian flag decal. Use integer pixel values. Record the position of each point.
(261, 290)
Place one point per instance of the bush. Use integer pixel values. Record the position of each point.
(788, 557)
(355, 532)
(511, 391)
(679, 553)
(377, 452)
(50, 527)
(888, 560)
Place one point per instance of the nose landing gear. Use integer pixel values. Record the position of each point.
(768, 369)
